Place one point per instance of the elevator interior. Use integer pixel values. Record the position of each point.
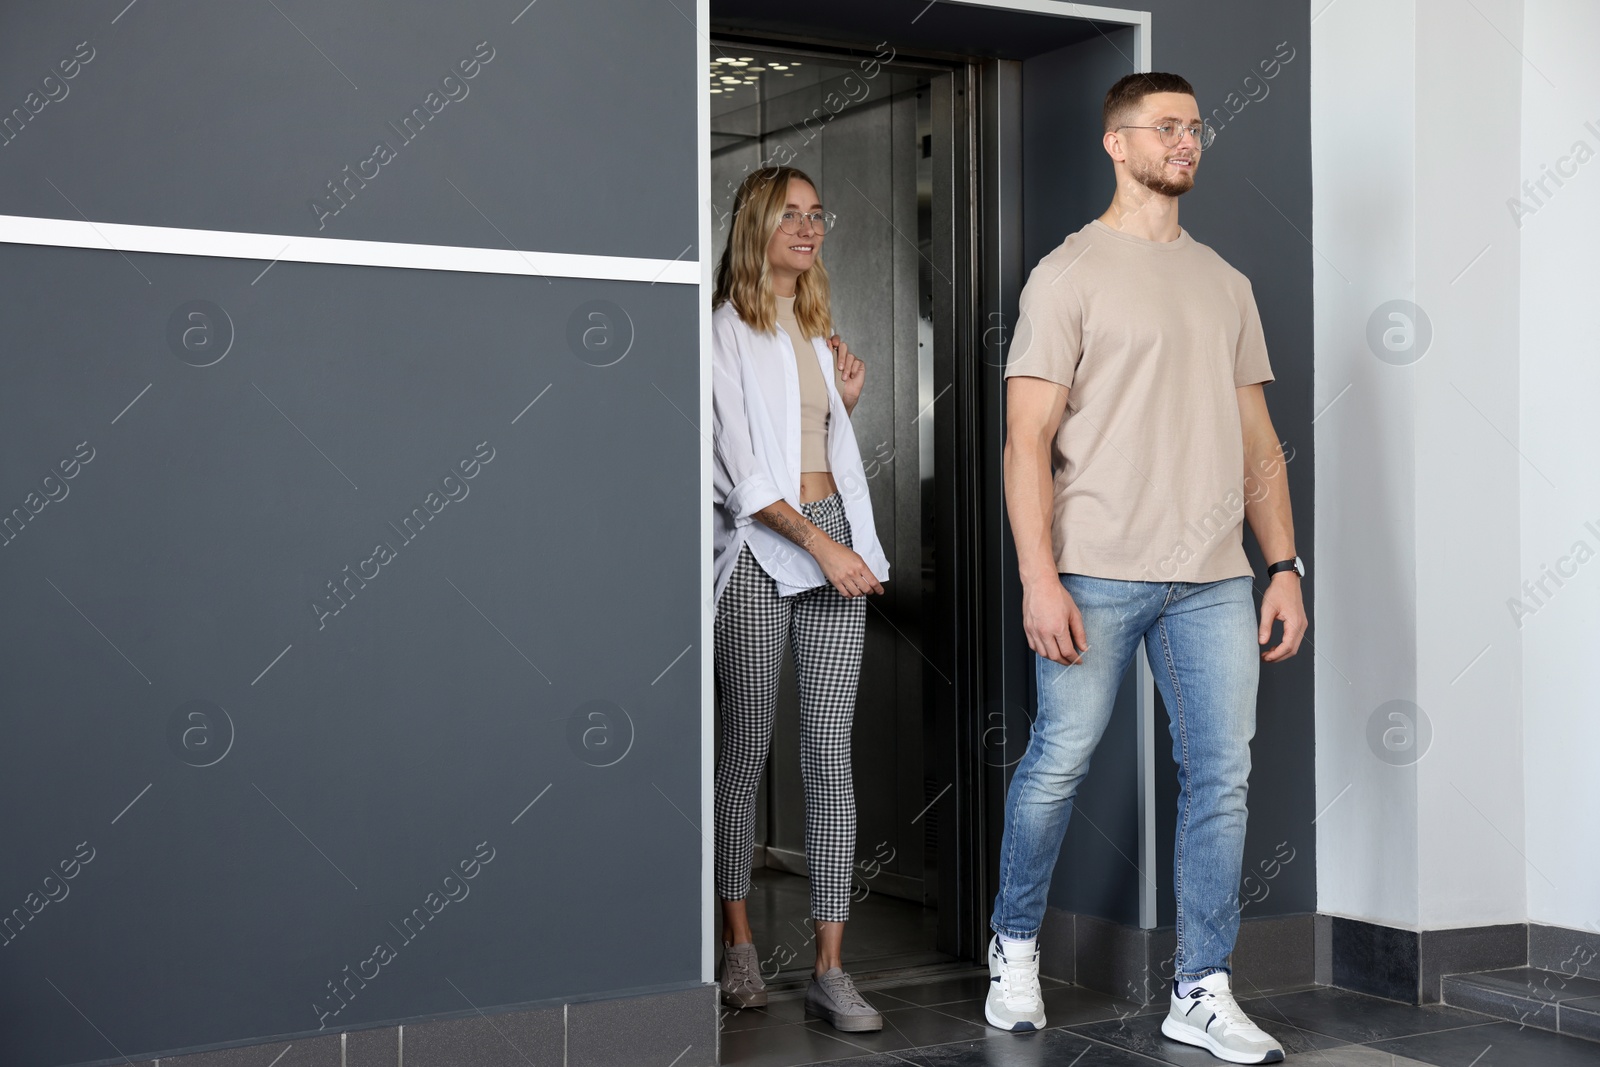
(864, 130)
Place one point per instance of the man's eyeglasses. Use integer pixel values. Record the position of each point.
(1172, 134)
(821, 221)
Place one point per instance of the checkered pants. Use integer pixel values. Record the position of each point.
(826, 630)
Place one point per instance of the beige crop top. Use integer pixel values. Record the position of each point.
(813, 392)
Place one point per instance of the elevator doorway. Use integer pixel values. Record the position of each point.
(879, 137)
(957, 150)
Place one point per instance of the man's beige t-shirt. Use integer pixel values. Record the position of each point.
(1151, 338)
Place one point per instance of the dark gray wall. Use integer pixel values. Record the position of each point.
(1066, 181)
(266, 795)
(1252, 203)
(236, 117)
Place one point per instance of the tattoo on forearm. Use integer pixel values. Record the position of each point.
(801, 533)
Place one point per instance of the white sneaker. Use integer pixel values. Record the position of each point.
(1014, 1002)
(1211, 1018)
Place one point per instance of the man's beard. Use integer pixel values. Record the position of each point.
(1156, 181)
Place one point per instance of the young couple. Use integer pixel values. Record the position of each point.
(1134, 406)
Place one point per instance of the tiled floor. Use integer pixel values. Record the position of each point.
(939, 1023)
(883, 932)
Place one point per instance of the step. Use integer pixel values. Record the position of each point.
(1550, 1000)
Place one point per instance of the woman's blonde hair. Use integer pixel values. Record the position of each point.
(743, 275)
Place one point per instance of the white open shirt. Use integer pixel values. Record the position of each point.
(755, 401)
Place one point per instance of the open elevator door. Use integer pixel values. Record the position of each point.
(1041, 143)
(878, 135)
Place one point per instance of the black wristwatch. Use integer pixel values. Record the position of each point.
(1288, 565)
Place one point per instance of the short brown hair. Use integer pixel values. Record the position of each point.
(1129, 92)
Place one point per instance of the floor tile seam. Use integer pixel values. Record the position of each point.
(894, 1054)
(975, 1000)
(1058, 1026)
(1434, 1033)
(1487, 1018)
(1127, 1051)
(884, 985)
(920, 1004)
(1273, 1024)
(1305, 1029)
(1000, 1036)
(982, 1036)
(935, 1009)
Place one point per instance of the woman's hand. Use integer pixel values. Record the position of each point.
(852, 374)
(844, 569)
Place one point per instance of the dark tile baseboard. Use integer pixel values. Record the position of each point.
(1381, 961)
(1556, 948)
(1271, 952)
(1410, 965)
(678, 1027)
(1284, 951)
(1475, 948)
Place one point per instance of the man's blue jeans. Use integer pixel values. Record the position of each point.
(1202, 645)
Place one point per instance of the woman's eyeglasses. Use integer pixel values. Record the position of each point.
(821, 221)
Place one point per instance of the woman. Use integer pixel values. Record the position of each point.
(795, 553)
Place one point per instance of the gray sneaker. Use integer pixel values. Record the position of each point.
(1210, 1018)
(741, 984)
(834, 997)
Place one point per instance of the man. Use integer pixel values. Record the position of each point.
(1137, 367)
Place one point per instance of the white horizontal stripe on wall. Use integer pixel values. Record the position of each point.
(271, 247)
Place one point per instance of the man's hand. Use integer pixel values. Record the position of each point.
(1053, 623)
(1282, 601)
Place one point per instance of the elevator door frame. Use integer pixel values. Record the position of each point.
(984, 228)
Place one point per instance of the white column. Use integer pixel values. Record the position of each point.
(1470, 836)
(1363, 106)
(1415, 142)
(1558, 208)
